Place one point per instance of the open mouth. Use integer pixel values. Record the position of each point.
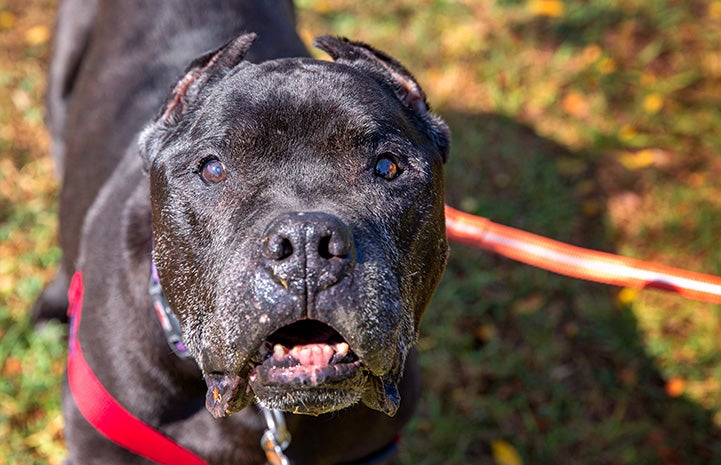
(305, 367)
(303, 355)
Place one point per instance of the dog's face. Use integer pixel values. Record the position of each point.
(298, 224)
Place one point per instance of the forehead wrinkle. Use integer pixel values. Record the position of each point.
(325, 127)
(285, 91)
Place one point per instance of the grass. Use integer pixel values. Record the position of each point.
(594, 123)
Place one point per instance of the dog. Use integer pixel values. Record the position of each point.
(287, 213)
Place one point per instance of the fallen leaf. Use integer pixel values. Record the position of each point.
(505, 454)
(637, 160)
(13, 367)
(675, 386)
(7, 20)
(550, 8)
(652, 103)
(607, 65)
(714, 10)
(528, 304)
(575, 104)
(37, 35)
(484, 333)
(627, 295)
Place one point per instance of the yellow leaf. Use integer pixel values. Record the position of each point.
(714, 10)
(505, 454)
(653, 103)
(607, 65)
(627, 295)
(637, 160)
(7, 20)
(550, 8)
(37, 35)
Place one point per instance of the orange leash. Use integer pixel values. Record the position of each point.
(578, 262)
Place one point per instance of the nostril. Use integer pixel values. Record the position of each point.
(333, 244)
(324, 248)
(311, 238)
(277, 247)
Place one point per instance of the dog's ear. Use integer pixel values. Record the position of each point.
(210, 65)
(404, 85)
(213, 65)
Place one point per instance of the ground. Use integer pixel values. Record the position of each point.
(595, 123)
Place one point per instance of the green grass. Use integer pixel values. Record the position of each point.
(595, 123)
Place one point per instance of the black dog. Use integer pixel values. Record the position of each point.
(293, 209)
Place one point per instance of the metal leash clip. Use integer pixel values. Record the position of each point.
(276, 437)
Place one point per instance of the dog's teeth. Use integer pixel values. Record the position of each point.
(312, 354)
(342, 348)
(326, 353)
(279, 351)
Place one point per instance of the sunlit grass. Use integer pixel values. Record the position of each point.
(591, 122)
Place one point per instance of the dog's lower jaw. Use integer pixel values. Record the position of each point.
(229, 393)
(309, 390)
(310, 402)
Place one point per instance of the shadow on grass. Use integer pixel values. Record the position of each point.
(552, 365)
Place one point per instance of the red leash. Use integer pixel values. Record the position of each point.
(103, 412)
(578, 262)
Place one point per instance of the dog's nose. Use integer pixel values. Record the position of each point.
(311, 250)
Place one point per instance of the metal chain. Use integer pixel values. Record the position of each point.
(276, 437)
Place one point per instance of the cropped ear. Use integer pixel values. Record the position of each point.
(404, 85)
(210, 65)
(213, 65)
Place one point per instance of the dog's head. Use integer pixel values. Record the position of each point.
(298, 223)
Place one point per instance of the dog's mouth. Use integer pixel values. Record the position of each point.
(303, 355)
(305, 367)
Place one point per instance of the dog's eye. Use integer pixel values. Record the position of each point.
(387, 167)
(213, 171)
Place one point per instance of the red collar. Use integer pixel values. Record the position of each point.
(103, 412)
